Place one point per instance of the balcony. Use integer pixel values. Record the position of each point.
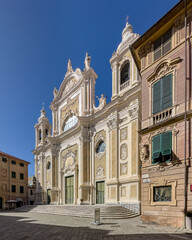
(162, 116)
(124, 85)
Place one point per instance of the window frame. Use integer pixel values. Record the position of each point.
(21, 174)
(13, 187)
(13, 174)
(129, 72)
(13, 162)
(161, 81)
(21, 164)
(73, 122)
(162, 45)
(162, 149)
(4, 159)
(21, 187)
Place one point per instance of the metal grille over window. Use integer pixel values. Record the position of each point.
(70, 122)
(125, 75)
(162, 194)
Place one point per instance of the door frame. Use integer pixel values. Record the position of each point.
(65, 177)
(98, 181)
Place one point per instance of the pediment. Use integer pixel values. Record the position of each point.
(163, 68)
(68, 84)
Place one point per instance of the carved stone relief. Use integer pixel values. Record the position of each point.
(69, 161)
(123, 191)
(144, 151)
(123, 134)
(100, 172)
(133, 112)
(123, 151)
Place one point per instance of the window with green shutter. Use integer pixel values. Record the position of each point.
(162, 147)
(162, 45)
(162, 94)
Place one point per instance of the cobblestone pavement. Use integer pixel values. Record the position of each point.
(26, 225)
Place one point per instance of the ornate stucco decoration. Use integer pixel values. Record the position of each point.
(102, 103)
(69, 162)
(71, 83)
(100, 172)
(123, 134)
(144, 151)
(72, 106)
(113, 121)
(162, 130)
(133, 112)
(123, 151)
(86, 134)
(163, 68)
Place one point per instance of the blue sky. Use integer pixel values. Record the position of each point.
(38, 37)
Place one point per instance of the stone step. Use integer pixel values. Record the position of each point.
(110, 212)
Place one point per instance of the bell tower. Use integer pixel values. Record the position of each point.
(42, 129)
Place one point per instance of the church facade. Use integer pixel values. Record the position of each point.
(90, 155)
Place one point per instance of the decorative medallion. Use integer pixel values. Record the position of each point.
(123, 151)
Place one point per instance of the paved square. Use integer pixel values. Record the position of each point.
(27, 225)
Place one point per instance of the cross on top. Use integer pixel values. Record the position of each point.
(126, 19)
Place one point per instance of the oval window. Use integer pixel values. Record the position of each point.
(101, 147)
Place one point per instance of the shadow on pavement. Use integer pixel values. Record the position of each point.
(22, 228)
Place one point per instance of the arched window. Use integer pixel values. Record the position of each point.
(125, 73)
(40, 135)
(48, 165)
(46, 132)
(100, 147)
(70, 122)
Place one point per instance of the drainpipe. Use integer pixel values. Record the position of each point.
(185, 160)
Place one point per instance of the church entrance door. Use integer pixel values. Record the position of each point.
(100, 192)
(1, 203)
(69, 190)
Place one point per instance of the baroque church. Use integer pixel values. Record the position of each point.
(89, 154)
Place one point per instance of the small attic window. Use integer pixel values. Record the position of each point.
(125, 73)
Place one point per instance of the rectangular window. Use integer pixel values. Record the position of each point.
(4, 159)
(162, 147)
(21, 189)
(162, 45)
(21, 176)
(162, 194)
(13, 174)
(31, 192)
(13, 162)
(13, 188)
(162, 94)
(21, 165)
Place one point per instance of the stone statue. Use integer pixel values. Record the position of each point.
(55, 92)
(87, 61)
(69, 67)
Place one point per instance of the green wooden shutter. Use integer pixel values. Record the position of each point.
(167, 144)
(156, 148)
(167, 91)
(157, 97)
